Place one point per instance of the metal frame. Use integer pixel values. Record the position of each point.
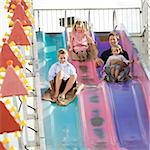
(99, 19)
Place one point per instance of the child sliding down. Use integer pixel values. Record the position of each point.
(79, 41)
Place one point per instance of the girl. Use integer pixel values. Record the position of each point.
(79, 41)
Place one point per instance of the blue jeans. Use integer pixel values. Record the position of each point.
(123, 74)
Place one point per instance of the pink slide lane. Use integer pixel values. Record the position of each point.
(97, 124)
(86, 72)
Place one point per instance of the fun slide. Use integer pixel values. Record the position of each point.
(110, 116)
(62, 125)
(129, 101)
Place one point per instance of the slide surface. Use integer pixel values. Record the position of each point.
(62, 125)
(130, 115)
(129, 100)
(120, 109)
(95, 112)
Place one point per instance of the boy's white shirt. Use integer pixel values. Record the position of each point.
(66, 67)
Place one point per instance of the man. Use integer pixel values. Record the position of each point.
(113, 39)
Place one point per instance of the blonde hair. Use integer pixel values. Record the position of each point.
(62, 51)
(117, 47)
(78, 22)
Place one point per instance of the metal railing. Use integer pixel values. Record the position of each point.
(99, 19)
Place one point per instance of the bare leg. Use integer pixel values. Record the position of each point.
(58, 82)
(113, 72)
(69, 85)
(52, 85)
(124, 74)
(116, 73)
(80, 87)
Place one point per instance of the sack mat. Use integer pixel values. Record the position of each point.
(70, 96)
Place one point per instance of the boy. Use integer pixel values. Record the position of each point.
(62, 76)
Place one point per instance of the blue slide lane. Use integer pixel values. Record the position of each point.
(130, 114)
(62, 125)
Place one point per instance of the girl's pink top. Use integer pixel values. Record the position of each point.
(79, 41)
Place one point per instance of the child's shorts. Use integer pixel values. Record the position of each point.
(63, 85)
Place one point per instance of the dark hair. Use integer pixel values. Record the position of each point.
(113, 34)
(62, 51)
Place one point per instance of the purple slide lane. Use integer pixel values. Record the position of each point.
(129, 101)
(130, 115)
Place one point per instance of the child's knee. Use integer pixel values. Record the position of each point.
(74, 77)
(60, 74)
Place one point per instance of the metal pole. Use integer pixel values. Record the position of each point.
(114, 20)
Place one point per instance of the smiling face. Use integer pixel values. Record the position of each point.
(62, 58)
(79, 28)
(113, 41)
(115, 51)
